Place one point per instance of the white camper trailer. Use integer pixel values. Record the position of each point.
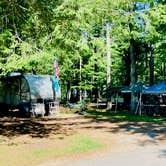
(30, 94)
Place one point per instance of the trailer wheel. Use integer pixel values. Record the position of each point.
(4, 110)
(47, 109)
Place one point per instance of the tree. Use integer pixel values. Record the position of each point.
(73, 31)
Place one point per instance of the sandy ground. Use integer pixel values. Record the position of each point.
(120, 138)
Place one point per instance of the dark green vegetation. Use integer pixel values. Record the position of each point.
(33, 33)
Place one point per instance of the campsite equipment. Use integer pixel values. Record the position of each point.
(152, 99)
(30, 94)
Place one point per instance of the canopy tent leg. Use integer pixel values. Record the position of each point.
(116, 104)
(139, 106)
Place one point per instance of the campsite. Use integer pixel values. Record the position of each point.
(68, 138)
(82, 82)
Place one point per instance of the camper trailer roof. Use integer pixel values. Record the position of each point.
(40, 87)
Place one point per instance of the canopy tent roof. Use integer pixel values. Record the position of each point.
(156, 89)
(137, 88)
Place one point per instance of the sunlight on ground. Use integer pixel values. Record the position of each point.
(25, 154)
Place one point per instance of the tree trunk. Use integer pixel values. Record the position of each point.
(68, 95)
(108, 59)
(164, 70)
(151, 66)
(80, 78)
(95, 84)
(126, 60)
(132, 74)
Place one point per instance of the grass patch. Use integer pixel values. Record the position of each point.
(35, 154)
(125, 116)
(83, 144)
(77, 144)
(67, 110)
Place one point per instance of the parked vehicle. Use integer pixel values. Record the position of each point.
(29, 94)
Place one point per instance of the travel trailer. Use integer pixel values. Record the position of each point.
(29, 94)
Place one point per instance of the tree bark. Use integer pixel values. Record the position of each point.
(80, 78)
(108, 54)
(68, 95)
(164, 70)
(132, 75)
(151, 66)
(108, 59)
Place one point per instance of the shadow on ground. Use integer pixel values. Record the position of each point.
(44, 127)
(148, 129)
(162, 154)
(11, 127)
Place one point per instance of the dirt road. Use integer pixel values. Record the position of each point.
(150, 156)
(126, 143)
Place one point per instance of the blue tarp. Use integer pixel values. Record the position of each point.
(56, 87)
(137, 88)
(157, 88)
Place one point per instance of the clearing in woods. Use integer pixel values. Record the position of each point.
(69, 137)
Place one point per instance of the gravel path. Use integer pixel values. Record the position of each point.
(151, 156)
(129, 143)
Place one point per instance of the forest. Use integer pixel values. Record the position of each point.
(96, 42)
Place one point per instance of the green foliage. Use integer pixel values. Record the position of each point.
(34, 33)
